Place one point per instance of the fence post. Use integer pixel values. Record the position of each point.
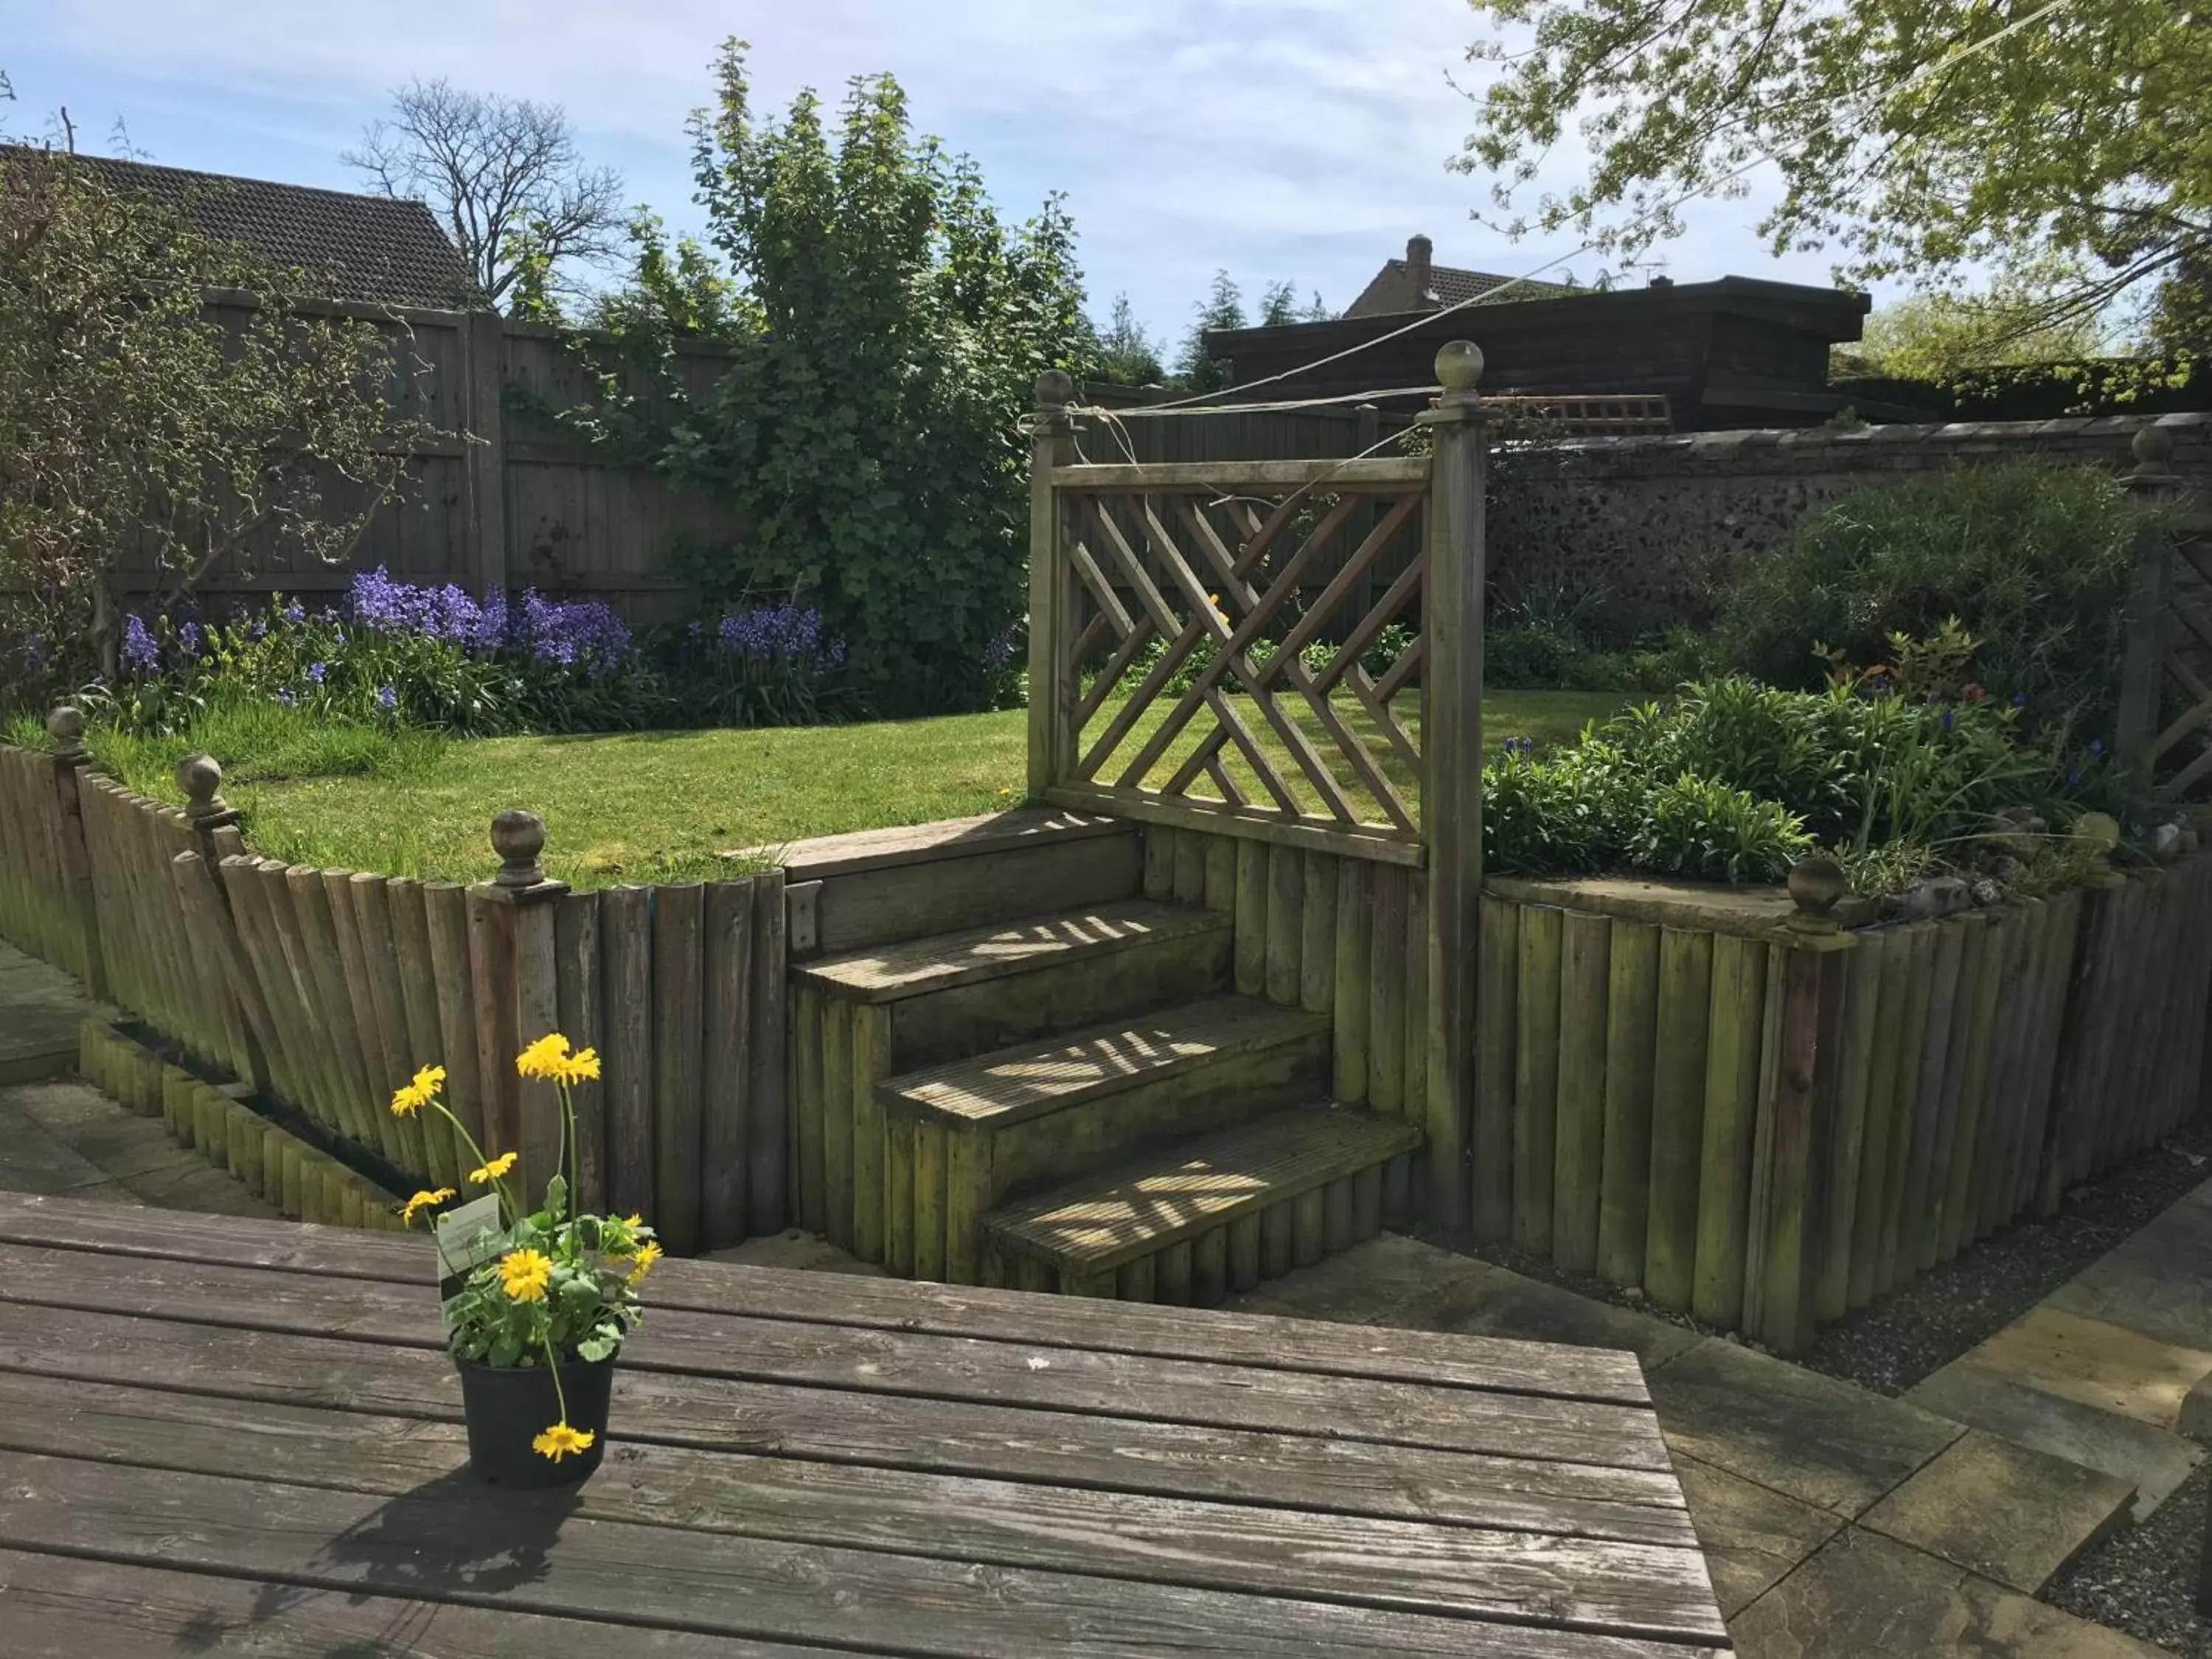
(483, 349)
(207, 911)
(1793, 1145)
(2142, 671)
(1451, 796)
(65, 725)
(512, 950)
(1052, 687)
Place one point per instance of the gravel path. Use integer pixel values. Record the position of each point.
(2143, 1581)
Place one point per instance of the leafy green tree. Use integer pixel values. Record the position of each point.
(1222, 308)
(887, 330)
(1278, 304)
(143, 432)
(1918, 137)
(1944, 338)
(1125, 355)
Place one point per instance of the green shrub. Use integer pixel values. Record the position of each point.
(2034, 562)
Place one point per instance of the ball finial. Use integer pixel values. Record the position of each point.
(2153, 445)
(1056, 389)
(518, 838)
(1459, 366)
(199, 776)
(65, 725)
(1817, 885)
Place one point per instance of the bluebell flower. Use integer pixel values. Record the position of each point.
(1950, 717)
(998, 655)
(188, 639)
(140, 649)
(2096, 745)
(317, 672)
(2020, 699)
(36, 651)
(295, 613)
(2073, 777)
(284, 697)
(386, 698)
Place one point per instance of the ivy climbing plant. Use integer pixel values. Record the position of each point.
(886, 330)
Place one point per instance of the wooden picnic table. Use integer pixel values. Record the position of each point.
(220, 1435)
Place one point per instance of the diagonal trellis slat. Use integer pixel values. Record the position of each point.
(2165, 719)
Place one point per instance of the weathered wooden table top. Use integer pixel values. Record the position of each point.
(223, 1434)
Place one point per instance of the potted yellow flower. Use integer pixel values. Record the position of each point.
(540, 1300)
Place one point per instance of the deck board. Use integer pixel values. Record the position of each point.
(201, 1451)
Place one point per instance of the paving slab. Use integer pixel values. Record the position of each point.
(40, 1009)
(33, 1160)
(2005, 1511)
(89, 1124)
(1752, 1537)
(2100, 1364)
(1864, 1596)
(794, 1248)
(2155, 1460)
(1394, 1280)
(2158, 1284)
(1823, 1443)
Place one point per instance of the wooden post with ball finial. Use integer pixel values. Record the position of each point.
(511, 965)
(1451, 743)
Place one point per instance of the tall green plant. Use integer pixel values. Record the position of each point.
(2033, 560)
(887, 330)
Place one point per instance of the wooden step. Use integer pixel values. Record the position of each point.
(1211, 1215)
(875, 885)
(965, 1136)
(960, 994)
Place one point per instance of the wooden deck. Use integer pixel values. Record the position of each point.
(223, 1436)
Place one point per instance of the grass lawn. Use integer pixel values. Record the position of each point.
(652, 806)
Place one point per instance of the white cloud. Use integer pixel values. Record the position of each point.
(1304, 139)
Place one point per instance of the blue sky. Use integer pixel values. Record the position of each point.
(1302, 139)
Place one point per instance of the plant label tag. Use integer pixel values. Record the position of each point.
(467, 1237)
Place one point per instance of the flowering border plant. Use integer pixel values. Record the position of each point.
(561, 1286)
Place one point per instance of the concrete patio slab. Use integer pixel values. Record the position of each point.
(2100, 1364)
(2002, 1511)
(2158, 1284)
(1823, 1443)
(2155, 1460)
(1865, 1596)
(1394, 1280)
(1752, 1537)
(38, 1037)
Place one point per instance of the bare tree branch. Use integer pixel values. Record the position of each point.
(496, 170)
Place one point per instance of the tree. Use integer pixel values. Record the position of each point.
(1222, 308)
(1278, 304)
(505, 176)
(886, 332)
(1918, 137)
(1942, 337)
(1125, 353)
(140, 426)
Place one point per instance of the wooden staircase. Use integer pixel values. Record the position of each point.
(1070, 1099)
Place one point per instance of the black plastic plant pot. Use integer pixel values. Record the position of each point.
(509, 1407)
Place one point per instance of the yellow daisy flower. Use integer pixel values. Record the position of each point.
(410, 1100)
(524, 1274)
(423, 1202)
(583, 1067)
(559, 1441)
(547, 1059)
(493, 1171)
(633, 1221)
(641, 1260)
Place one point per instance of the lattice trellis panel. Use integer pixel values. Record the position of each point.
(1229, 646)
(2181, 753)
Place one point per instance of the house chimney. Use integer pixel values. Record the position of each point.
(1420, 256)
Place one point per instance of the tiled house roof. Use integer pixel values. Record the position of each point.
(1413, 284)
(372, 248)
